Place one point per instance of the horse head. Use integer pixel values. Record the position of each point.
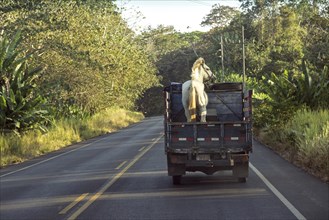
(201, 72)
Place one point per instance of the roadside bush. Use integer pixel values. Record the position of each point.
(287, 93)
(280, 104)
(21, 104)
(308, 133)
(262, 111)
(62, 133)
(251, 83)
(303, 140)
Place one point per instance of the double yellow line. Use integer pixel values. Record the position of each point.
(105, 186)
(67, 208)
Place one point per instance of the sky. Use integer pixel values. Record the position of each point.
(184, 15)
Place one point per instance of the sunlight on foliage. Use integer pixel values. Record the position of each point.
(91, 56)
(22, 107)
(63, 133)
(308, 133)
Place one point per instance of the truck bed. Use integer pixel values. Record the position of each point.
(221, 143)
(228, 120)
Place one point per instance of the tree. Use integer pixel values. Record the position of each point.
(286, 43)
(93, 60)
(315, 19)
(173, 53)
(220, 16)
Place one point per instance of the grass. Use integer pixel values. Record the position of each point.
(304, 140)
(15, 149)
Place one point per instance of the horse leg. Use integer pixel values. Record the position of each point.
(192, 104)
(203, 106)
(187, 115)
(203, 113)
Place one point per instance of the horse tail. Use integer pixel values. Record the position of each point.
(192, 102)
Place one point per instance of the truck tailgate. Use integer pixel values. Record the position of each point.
(209, 137)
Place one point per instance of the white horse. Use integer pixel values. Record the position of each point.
(193, 94)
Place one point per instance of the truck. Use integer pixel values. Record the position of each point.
(223, 142)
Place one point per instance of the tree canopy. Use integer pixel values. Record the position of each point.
(220, 16)
(91, 59)
(91, 56)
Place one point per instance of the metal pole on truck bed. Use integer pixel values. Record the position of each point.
(222, 54)
(243, 60)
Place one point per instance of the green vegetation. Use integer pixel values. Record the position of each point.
(22, 107)
(287, 93)
(77, 58)
(304, 140)
(63, 132)
(70, 61)
(90, 56)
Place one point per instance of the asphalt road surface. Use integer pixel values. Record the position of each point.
(123, 175)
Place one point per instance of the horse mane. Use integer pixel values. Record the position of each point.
(196, 65)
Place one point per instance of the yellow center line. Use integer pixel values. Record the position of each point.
(111, 182)
(121, 165)
(76, 201)
(142, 148)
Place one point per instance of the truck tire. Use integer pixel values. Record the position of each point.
(176, 180)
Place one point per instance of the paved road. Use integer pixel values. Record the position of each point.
(123, 176)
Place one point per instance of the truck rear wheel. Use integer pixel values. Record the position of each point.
(176, 180)
(242, 179)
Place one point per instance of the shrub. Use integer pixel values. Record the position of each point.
(287, 93)
(63, 132)
(308, 133)
(22, 107)
(303, 140)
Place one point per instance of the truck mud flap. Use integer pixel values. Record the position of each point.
(241, 165)
(176, 158)
(176, 170)
(176, 164)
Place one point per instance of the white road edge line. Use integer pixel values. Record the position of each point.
(44, 161)
(276, 192)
